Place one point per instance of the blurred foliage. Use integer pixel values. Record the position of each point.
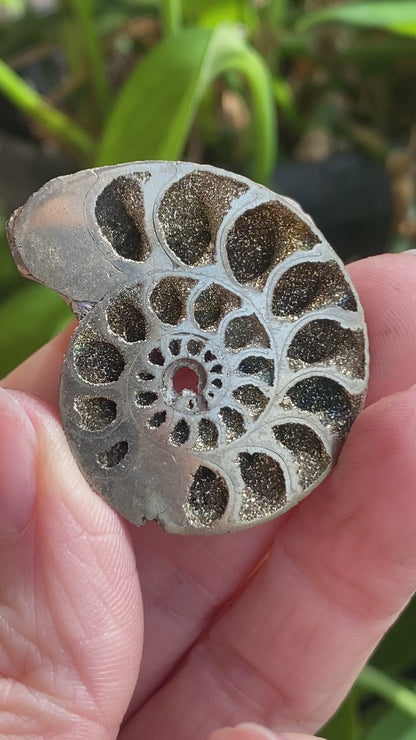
(118, 80)
(195, 57)
(206, 80)
(399, 17)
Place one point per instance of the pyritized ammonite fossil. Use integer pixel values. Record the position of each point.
(221, 354)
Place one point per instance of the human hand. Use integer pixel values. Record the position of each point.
(270, 625)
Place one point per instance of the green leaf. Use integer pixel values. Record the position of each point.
(9, 276)
(90, 45)
(210, 13)
(28, 319)
(343, 725)
(393, 725)
(14, 8)
(399, 17)
(276, 13)
(397, 651)
(379, 683)
(28, 31)
(155, 110)
(30, 102)
(112, 16)
(286, 102)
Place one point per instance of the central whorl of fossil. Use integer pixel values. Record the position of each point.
(221, 356)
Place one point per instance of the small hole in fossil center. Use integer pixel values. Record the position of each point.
(185, 379)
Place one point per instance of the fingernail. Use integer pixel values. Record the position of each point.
(257, 732)
(225, 733)
(245, 731)
(18, 474)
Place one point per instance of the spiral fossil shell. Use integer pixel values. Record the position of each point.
(175, 265)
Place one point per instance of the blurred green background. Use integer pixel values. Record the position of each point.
(314, 98)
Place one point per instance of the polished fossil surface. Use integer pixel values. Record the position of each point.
(221, 353)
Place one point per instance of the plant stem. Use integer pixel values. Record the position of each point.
(372, 679)
(286, 102)
(83, 11)
(279, 11)
(172, 16)
(264, 115)
(57, 123)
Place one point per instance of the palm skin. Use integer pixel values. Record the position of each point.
(271, 625)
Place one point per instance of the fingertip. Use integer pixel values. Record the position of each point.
(386, 285)
(382, 438)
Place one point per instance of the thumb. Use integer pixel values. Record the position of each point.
(70, 610)
(251, 731)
